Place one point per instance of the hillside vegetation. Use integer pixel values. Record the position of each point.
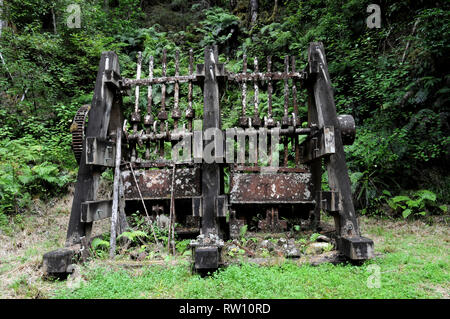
(394, 80)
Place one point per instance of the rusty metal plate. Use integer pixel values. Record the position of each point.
(157, 183)
(269, 188)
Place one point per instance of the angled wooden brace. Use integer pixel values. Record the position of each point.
(323, 114)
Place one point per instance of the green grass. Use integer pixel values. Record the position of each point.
(414, 265)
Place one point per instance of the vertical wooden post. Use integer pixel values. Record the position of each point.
(115, 205)
(123, 224)
(211, 119)
(316, 165)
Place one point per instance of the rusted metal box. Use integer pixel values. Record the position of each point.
(271, 188)
(157, 183)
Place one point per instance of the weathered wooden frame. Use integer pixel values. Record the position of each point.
(324, 145)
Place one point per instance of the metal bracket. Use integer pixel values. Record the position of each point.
(329, 201)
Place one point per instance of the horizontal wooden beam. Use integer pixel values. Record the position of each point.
(95, 210)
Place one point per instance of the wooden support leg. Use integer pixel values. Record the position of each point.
(99, 122)
(211, 119)
(207, 257)
(350, 242)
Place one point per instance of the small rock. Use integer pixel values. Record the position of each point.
(323, 238)
(134, 255)
(142, 256)
(317, 248)
(282, 241)
(264, 243)
(293, 252)
(267, 244)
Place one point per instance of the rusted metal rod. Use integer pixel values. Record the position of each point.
(286, 86)
(172, 214)
(148, 120)
(138, 76)
(162, 115)
(244, 93)
(295, 115)
(135, 118)
(150, 87)
(176, 114)
(269, 121)
(256, 119)
(294, 88)
(242, 77)
(159, 80)
(190, 114)
(285, 120)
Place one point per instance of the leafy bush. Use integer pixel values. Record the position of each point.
(417, 204)
(217, 26)
(133, 236)
(100, 247)
(26, 172)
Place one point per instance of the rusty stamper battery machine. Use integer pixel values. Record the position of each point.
(193, 189)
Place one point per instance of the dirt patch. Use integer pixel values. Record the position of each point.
(43, 229)
(445, 292)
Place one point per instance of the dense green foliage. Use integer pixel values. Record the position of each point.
(398, 92)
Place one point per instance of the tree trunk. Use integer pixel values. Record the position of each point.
(253, 11)
(233, 4)
(409, 41)
(54, 21)
(274, 12)
(1, 21)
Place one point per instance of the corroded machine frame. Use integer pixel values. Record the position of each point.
(198, 185)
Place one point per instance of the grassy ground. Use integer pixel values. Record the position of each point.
(414, 263)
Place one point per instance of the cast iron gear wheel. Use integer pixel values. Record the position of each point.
(77, 129)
